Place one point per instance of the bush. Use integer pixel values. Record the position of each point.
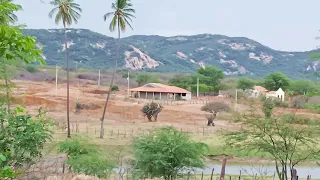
(165, 152)
(278, 103)
(31, 69)
(315, 107)
(114, 88)
(152, 110)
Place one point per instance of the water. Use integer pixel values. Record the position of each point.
(260, 170)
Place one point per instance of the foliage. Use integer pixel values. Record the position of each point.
(280, 137)
(77, 146)
(5, 170)
(32, 69)
(115, 88)
(85, 157)
(151, 110)
(302, 87)
(22, 138)
(142, 79)
(245, 83)
(165, 153)
(67, 12)
(275, 81)
(315, 107)
(92, 165)
(214, 107)
(202, 88)
(268, 106)
(7, 9)
(210, 76)
(181, 80)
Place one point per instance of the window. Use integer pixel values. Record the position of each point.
(184, 94)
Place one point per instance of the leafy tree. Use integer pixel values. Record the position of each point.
(22, 140)
(67, 12)
(143, 79)
(122, 14)
(213, 108)
(92, 165)
(279, 137)
(165, 152)
(15, 49)
(210, 75)
(245, 83)
(7, 9)
(202, 88)
(180, 80)
(302, 87)
(275, 81)
(84, 157)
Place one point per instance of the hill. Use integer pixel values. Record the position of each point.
(179, 54)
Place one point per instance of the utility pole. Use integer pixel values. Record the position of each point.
(56, 80)
(236, 95)
(99, 79)
(197, 87)
(128, 78)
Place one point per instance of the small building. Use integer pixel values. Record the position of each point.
(160, 91)
(276, 94)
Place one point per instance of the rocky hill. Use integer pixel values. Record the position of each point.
(235, 55)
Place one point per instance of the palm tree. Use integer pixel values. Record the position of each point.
(67, 12)
(122, 14)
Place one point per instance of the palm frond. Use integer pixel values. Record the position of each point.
(113, 24)
(122, 24)
(129, 10)
(128, 23)
(107, 15)
(53, 11)
(66, 11)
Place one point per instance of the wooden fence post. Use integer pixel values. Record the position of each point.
(212, 174)
(223, 168)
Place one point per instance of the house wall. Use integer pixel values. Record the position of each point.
(156, 95)
(187, 97)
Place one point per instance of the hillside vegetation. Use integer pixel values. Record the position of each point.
(180, 54)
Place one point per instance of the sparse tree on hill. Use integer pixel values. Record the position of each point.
(67, 12)
(152, 110)
(121, 15)
(213, 108)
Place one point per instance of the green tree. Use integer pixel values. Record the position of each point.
(67, 12)
(15, 49)
(211, 76)
(245, 83)
(275, 81)
(142, 79)
(22, 139)
(202, 88)
(165, 152)
(7, 9)
(279, 137)
(181, 80)
(122, 14)
(85, 157)
(302, 87)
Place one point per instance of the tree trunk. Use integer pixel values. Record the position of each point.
(223, 168)
(111, 84)
(66, 55)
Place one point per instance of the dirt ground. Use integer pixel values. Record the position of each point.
(121, 111)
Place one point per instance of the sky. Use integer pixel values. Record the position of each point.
(288, 25)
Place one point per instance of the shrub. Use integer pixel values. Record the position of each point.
(152, 110)
(114, 88)
(31, 69)
(279, 103)
(165, 152)
(315, 107)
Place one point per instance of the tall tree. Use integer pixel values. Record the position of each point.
(276, 80)
(67, 12)
(121, 15)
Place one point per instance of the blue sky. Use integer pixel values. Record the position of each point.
(289, 25)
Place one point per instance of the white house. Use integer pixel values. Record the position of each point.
(277, 94)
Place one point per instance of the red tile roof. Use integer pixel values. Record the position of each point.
(260, 88)
(157, 87)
